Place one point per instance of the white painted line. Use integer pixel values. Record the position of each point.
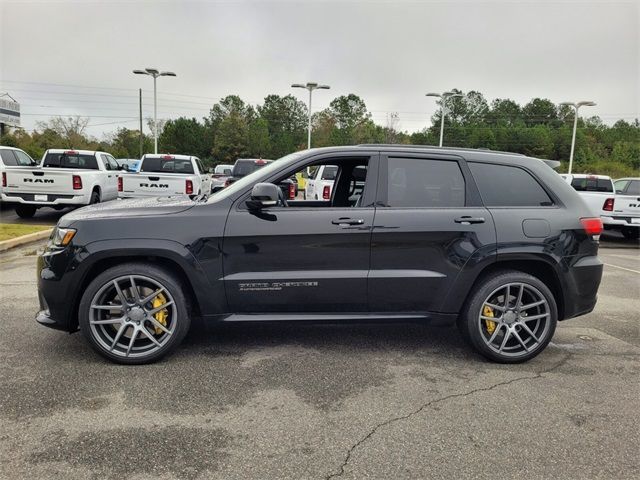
(622, 268)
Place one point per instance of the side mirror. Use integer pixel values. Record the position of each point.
(124, 168)
(263, 195)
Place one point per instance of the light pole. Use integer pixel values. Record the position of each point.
(155, 73)
(444, 97)
(576, 107)
(311, 86)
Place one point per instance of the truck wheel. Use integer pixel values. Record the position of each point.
(25, 211)
(631, 233)
(134, 313)
(510, 317)
(95, 198)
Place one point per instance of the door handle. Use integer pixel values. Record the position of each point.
(466, 220)
(348, 221)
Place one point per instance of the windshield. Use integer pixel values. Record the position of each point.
(166, 165)
(70, 160)
(245, 167)
(244, 182)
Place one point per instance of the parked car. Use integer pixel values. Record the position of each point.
(129, 164)
(320, 182)
(166, 175)
(13, 158)
(626, 211)
(65, 178)
(596, 190)
(244, 167)
(221, 174)
(496, 242)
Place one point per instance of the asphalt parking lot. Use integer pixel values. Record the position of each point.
(281, 401)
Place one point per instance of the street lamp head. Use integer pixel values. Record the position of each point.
(586, 103)
(152, 71)
(312, 84)
(433, 95)
(323, 87)
(452, 94)
(167, 74)
(140, 72)
(298, 85)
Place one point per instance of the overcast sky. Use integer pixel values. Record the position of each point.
(76, 57)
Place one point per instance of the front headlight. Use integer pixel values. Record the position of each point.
(61, 237)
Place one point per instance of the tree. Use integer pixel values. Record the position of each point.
(286, 120)
(258, 141)
(231, 139)
(184, 136)
(540, 111)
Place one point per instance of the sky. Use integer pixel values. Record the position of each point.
(77, 57)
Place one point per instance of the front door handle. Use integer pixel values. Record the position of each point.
(466, 220)
(348, 221)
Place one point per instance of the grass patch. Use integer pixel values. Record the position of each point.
(9, 231)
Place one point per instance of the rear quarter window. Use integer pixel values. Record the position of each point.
(634, 188)
(8, 158)
(506, 186)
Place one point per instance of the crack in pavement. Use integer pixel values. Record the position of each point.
(433, 402)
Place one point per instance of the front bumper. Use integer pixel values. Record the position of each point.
(57, 291)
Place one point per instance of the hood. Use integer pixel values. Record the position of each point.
(131, 207)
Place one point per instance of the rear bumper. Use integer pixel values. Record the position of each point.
(52, 199)
(580, 286)
(617, 221)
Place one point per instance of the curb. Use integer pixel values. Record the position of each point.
(24, 239)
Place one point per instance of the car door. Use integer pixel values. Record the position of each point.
(204, 176)
(110, 185)
(429, 224)
(302, 258)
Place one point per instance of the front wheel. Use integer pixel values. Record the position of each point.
(510, 317)
(25, 211)
(134, 313)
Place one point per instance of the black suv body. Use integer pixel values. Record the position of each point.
(497, 242)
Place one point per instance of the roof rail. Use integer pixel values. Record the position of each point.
(401, 145)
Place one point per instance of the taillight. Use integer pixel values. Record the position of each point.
(326, 192)
(120, 187)
(592, 226)
(189, 187)
(4, 179)
(292, 191)
(77, 182)
(608, 205)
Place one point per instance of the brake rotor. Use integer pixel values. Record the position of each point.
(487, 311)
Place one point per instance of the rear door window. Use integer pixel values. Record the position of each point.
(166, 165)
(506, 186)
(71, 160)
(418, 182)
(592, 184)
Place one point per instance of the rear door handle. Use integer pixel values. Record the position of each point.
(348, 221)
(466, 220)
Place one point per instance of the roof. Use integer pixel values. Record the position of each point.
(83, 152)
(586, 175)
(163, 155)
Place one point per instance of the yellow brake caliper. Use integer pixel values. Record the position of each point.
(162, 315)
(491, 325)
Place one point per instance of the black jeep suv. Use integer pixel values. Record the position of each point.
(498, 242)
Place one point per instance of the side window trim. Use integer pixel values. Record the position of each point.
(472, 195)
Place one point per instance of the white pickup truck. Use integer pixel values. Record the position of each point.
(596, 190)
(165, 175)
(626, 211)
(65, 178)
(319, 184)
(13, 159)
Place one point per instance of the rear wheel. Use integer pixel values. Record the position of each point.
(95, 197)
(631, 233)
(510, 317)
(25, 211)
(134, 313)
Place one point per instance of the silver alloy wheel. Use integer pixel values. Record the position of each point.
(519, 321)
(126, 319)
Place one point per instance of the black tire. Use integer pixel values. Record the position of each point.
(631, 233)
(25, 211)
(95, 197)
(470, 325)
(163, 277)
